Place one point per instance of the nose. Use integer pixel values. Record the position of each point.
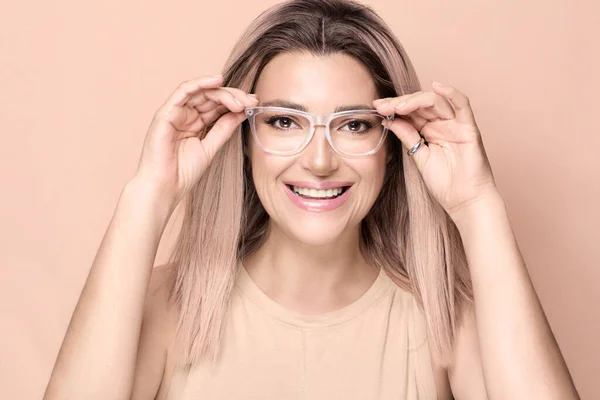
(318, 156)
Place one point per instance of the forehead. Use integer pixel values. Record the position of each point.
(320, 83)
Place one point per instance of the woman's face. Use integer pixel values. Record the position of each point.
(320, 84)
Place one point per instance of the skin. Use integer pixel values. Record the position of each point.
(311, 261)
(324, 269)
(504, 346)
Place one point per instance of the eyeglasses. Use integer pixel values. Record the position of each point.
(286, 131)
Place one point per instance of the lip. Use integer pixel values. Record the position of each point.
(319, 185)
(317, 205)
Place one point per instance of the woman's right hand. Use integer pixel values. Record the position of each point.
(173, 157)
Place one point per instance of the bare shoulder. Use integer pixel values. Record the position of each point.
(152, 373)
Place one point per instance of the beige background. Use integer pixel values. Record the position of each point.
(79, 84)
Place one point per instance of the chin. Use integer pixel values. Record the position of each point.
(314, 230)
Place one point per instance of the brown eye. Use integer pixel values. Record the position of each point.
(285, 122)
(358, 126)
(281, 122)
(354, 125)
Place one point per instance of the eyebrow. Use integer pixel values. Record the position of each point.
(300, 107)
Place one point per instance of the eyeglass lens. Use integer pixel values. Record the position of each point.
(355, 134)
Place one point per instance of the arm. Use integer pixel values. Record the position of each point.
(154, 365)
(519, 354)
(98, 355)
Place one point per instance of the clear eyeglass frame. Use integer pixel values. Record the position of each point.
(315, 120)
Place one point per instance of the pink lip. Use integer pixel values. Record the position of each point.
(319, 185)
(317, 205)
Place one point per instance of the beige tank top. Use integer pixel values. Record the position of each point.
(374, 348)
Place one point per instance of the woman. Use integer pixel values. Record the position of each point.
(339, 223)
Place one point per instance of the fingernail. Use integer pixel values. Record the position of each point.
(383, 105)
(253, 97)
(401, 104)
(238, 102)
(218, 76)
(436, 83)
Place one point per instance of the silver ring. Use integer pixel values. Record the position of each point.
(415, 147)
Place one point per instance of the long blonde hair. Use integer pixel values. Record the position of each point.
(406, 232)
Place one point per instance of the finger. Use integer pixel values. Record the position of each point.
(459, 102)
(416, 120)
(206, 118)
(427, 113)
(436, 106)
(427, 104)
(180, 118)
(203, 103)
(409, 136)
(186, 89)
(387, 105)
(387, 100)
(228, 99)
(188, 119)
(221, 132)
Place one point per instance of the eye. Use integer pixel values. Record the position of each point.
(355, 126)
(281, 122)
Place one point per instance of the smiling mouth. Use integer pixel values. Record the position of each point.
(316, 194)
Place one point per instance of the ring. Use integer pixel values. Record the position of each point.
(415, 147)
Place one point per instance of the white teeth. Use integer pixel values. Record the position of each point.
(317, 192)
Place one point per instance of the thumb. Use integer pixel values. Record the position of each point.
(221, 132)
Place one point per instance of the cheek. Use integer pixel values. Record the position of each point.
(254, 153)
(259, 169)
(266, 168)
(372, 170)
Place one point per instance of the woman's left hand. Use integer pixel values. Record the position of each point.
(453, 163)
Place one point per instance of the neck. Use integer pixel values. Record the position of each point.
(308, 278)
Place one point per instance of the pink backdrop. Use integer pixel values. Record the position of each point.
(80, 83)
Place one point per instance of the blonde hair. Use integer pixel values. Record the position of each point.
(406, 232)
